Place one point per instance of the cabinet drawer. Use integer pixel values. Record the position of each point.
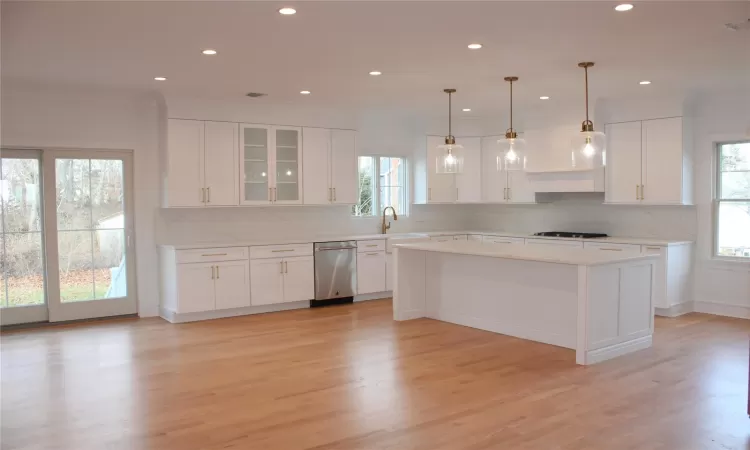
(611, 247)
(201, 255)
(441, 238)
(280, 251)
(460, 237)
(371, 246)
(502, 240)
(554, 243)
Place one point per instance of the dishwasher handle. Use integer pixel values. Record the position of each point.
(320, 249)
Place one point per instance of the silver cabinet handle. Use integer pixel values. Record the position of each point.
(282, 251)
(334, 194)
(642, 195)
(637, 194)
(212, 272)
(208, 191)
(274, 194)
(217, 272)
(281, 264)
(203, 195)
(372, 254)
(456, 194)
(286, 267)
(214, 254)
(330, 194)
(505, 193)
(653, 248)
(371, 245)
(270, 194)
(611, 249)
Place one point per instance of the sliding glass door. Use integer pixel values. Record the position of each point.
(71, 257)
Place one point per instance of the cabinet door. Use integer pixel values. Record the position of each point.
(220, 162)
(519, 188)
(662, 161)
(232, 284)
(389, 275)
(661, 300)
(195, 287)
(287, 163)
(370, 272)
(469, 183)
(255, 164)
(623, 169)
(316, 175)
(344, 166)
(441, 188)
(266, 281)
(185, 163)
(299, 279)
(494, 183)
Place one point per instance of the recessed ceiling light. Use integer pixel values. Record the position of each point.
(475, 46)
(160, 78)
(466, 110)
(209, 51)
(543, 97)
(304, 92)
(376, 73)
(623, 7)
(287, 11)
(645, 82)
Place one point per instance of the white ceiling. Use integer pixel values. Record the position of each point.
(329, 48)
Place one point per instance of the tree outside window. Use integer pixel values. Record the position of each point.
(382, 182)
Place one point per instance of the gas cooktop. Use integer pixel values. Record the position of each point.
(568, 234)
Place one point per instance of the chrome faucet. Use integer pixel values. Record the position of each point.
(384, 228)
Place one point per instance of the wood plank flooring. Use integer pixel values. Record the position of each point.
(350, 377)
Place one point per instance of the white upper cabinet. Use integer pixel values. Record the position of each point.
(623, 169)
(649, 162)
(502, 186)
(202, 161)
(469, 183)
(344, 179)
(185, 149)
(329, 166)
(220, 163)
(270, 166)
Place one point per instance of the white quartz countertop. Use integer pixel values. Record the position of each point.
(573, 256)
(362, 237)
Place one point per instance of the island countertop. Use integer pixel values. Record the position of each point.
(572, 256)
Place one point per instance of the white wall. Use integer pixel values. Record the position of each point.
(719, 117)
(66, 117)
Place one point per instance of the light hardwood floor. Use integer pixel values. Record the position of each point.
(351, 378)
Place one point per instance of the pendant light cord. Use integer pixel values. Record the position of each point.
(511, 106)
(450, 132)
(586, 76)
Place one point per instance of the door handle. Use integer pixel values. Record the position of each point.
(217, 272)
(642, 195)
(334, 194)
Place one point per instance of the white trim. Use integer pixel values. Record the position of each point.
(613, 351)
(376, 185)
(173, 317)
(716, 201)
(374, 296)
(675, 310)
(720, 309)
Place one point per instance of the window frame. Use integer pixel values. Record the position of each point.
(376, 185)
(717, 201)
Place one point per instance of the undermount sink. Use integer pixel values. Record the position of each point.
(403, 239)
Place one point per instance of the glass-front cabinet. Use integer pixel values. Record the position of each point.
(270, 164)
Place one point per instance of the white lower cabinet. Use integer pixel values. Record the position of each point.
(211, 286)
(371, 273)
(672, 282)
(282, 280)
(389, 274)
(612, 247)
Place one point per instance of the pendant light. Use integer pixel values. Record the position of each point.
(588, 145)
(512, 149)
(450, 158)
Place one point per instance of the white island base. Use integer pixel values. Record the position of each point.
(598, 303)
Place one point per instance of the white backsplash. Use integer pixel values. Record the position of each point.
(185, 226)
(586, 213)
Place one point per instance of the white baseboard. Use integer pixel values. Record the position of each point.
(174, 317)
(613, 351)
(373, 296)
(675, 310)
(720, 309)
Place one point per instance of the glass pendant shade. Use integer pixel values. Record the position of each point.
(450, 159)
(588, 150)
(512, 155)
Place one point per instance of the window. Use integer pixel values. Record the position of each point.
(733, 200)
(382, 182)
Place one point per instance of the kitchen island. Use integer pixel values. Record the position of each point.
(598, 303)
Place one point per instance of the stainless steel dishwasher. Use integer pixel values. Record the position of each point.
(335, 272)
